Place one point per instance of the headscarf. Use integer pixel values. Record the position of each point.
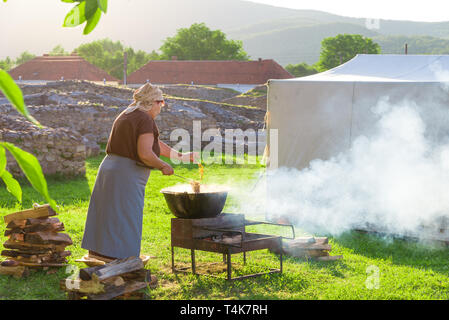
(144, 98)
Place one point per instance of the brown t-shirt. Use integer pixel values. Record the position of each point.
(126, 130)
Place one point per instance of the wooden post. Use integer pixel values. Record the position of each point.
(125, 64)
(406, 48)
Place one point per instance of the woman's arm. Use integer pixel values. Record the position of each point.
(171, 153)
(146, 154)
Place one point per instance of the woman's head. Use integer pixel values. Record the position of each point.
(156, 107)
(146, 98)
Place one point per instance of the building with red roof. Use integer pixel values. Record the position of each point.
(239, 75)
(52, 68)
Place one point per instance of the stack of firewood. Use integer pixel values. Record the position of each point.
(119, 279)
(34, 241)
(309, 248)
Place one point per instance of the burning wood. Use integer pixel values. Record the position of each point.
(118, 279)
(196, 186)
(34, 240)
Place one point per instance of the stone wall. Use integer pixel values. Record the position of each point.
(58, 149)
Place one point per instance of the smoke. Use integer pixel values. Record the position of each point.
(396, 178)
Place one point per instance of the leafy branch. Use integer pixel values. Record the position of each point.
(88, 11)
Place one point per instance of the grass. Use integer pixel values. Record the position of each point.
(405, 269)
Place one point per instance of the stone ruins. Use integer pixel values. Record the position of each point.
(77, 117)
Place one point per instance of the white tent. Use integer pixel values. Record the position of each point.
(318, 116)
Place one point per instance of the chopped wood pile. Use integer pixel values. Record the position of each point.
(34, 241)
(119, 279)
(308, 247)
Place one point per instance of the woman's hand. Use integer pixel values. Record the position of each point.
(167, 170)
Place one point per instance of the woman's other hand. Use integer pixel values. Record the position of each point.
(191, 157)
(167, 170)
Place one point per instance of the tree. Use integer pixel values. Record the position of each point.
(342, 48)
(200, 43)
(6, 64)
(58, 51)
(24, 57)
(109, 56)
(301, 69)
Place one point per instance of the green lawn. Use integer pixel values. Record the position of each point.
(406, 269)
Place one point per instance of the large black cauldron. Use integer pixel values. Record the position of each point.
(189, 205)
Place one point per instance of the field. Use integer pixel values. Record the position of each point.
(372, 267)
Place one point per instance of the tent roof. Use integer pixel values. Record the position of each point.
(386, 68)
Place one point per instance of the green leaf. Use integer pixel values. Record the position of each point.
(13, 93)
(2, 160)
(92, 22)
(76, 16)
(103, 5)
(32, 170)
(91, 9)
(12, 185)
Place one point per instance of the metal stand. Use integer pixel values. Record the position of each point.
(226, 260)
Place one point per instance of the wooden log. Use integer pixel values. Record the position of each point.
(310, 246)
(30, 222)
(118, 291)
(139, 275)
(317, 253)
(48, 257)
(300, 240)
(9, 263)
(48, 238)
(16, 224)
(13, 254)
(9, 232)
(114, 281)
(17, 237)
(56, 227)
(329, 258)
(322, 240)
(41, 221)
(17, 271)
(30, 247)
(38, 212)
(86, 273)
(81, 286)
(43, 264)
(112, 269)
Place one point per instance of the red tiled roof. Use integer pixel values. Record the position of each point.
(54, 67)
(208, 72)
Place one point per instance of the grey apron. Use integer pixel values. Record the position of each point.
(114, 218)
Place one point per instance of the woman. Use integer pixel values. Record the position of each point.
(114, 219)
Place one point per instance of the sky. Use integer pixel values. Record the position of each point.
(429, 10)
